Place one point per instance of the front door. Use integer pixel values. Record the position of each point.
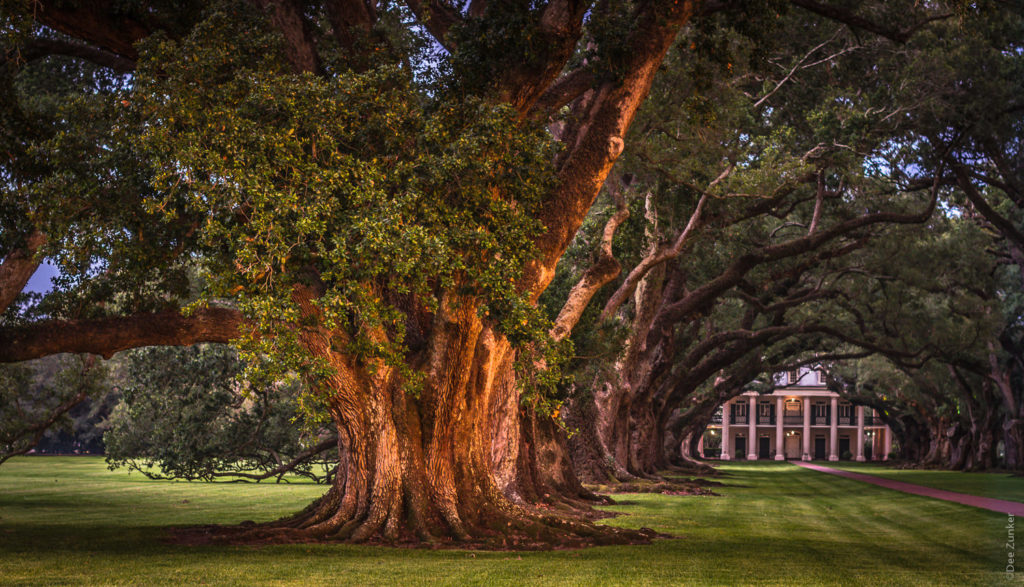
(764, 448)
(741, 447)
(793, 447)
(844, 447)
(819, 448)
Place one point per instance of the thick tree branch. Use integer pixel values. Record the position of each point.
(106, 336)
(1000, 222)
(844, 16)
(97, 22)
(351, 17)
(566, 89)
(596, 141)
(39, 48)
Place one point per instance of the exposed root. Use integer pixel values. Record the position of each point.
(533, 528)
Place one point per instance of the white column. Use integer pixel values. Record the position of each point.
(780, 454)
(700, 447)
(834, 431)
(860, 433)
(888, 443)
(752, 429)
(726, 445)
(807, 430)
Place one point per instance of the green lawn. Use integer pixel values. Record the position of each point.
(70, 521)
(995, 485)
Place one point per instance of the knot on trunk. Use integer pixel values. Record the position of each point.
(615, 147)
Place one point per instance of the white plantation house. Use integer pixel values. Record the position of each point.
(800, 420)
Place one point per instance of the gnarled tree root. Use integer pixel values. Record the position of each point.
(525, 528)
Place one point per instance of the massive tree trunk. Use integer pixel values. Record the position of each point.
(420, 468)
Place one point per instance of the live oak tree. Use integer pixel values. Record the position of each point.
(371, 198)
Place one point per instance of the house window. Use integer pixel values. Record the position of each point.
(820, 414)
(846, 414)
(794, 377)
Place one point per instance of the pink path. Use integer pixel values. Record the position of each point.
(987, 503)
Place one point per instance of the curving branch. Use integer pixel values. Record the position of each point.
(594, 139)
(39, 48)
(742, 265)
(602, 271)
(19, 442)
(1000, 222)
(653, 260)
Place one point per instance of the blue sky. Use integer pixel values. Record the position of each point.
(40, 281)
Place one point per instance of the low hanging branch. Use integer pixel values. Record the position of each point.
(326, 445)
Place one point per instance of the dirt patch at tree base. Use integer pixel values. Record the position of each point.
(699, 487)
